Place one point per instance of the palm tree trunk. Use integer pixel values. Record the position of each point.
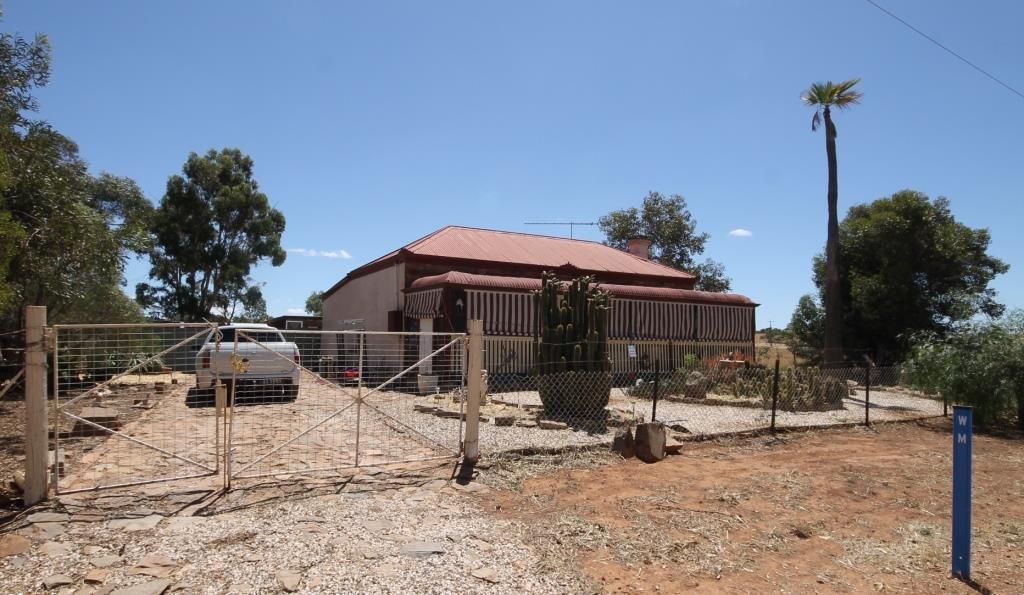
(833, 292)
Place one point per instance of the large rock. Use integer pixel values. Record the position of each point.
(696, 386)
(650, 442)
(12, 545)
(623, 442)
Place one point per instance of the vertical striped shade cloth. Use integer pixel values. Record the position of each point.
(503, 312)
(423, 304)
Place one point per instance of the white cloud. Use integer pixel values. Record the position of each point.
(739, 232)
(296, 311)
(321, 253)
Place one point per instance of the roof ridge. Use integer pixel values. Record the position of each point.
(521, 233)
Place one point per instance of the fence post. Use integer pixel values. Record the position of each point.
(35, 405)
(775, 392)
(654, 407)
(867, 394)
(471, 447)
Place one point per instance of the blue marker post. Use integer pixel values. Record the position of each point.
(963, 423)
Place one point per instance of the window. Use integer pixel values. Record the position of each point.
(257, 335)
(292, 325)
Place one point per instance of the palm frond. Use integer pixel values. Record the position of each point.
(816, 120)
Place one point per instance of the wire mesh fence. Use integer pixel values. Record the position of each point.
(119, 416)
(317, 401)
(12, 363)
(712, 392)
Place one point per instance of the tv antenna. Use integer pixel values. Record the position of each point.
(571, 224)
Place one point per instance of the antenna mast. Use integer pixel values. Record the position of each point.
(571, 224)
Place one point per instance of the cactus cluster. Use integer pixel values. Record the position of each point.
(571, 329)
(573, 369)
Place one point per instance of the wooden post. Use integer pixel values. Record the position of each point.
(35, 405)
(471, 447)
(775, 391)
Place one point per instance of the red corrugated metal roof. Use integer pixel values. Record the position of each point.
(469, 243)
(469, 280)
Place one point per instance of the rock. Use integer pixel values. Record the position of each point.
(48, 517)
(52, 548)
(12, 545)
(371, 555)
(504, 420)
(57, 580)
(96, 576)
(471, 487)
(548, 424)
(378, 526)
(526, 423)
(141, 524)
(650, 442)
(155, 565)
(289, 580)
(422, 549)
(104, 561)
(486, 574)
(673, 446)
(156, 587)
(623, 442)
(435, 485)
(92, 550)
(696, 386)
(51, 530)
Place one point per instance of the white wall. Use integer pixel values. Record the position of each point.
(369, 297)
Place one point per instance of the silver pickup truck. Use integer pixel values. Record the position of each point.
(256, 356)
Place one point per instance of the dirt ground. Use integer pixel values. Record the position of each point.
(850, 511)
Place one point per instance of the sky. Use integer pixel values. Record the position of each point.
(372, 124)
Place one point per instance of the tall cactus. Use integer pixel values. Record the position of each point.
(571, 328)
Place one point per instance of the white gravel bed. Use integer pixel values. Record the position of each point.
(343, 543)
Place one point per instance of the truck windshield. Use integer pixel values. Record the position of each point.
(247, 335)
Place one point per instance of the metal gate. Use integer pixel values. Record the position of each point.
(316, 401)
(120, 414)
(135, 404)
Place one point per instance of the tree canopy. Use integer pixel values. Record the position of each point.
(212, 225)
(672, 230)
(906, 265)
(64, 233)
(315, 304)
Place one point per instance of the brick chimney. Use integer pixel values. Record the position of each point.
(639, 247)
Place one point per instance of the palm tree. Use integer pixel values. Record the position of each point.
(823, 97)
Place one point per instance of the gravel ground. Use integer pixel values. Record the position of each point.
(347, 542)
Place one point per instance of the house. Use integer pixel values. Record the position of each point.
(295, 322)
(455, 274)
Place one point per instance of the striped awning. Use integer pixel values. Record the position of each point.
(423, 304)
(503, 312)
(725, 323)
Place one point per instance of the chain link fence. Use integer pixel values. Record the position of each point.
(711, 394)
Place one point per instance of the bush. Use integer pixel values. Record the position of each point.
(980, 364)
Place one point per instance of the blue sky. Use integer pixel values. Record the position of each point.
(372, 124)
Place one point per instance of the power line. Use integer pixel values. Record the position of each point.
(951, 52)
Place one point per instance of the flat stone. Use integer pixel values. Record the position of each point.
(673, 446)
(52, 548)
(435, 485)
(104, 561)
(547, 424)
(526, 423)
(371, 555)
(471, 487)
(140, 524)
(99, 415)
(486, 574)
(51, 530)
(96, 576)
(422, 549)
(155, 565)
(289, 580)
(156, 587)
(57, 580)
(12, 545)
(504, 420)
(87, 518)
(48, 517)
(92, 550)
(378, 525)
